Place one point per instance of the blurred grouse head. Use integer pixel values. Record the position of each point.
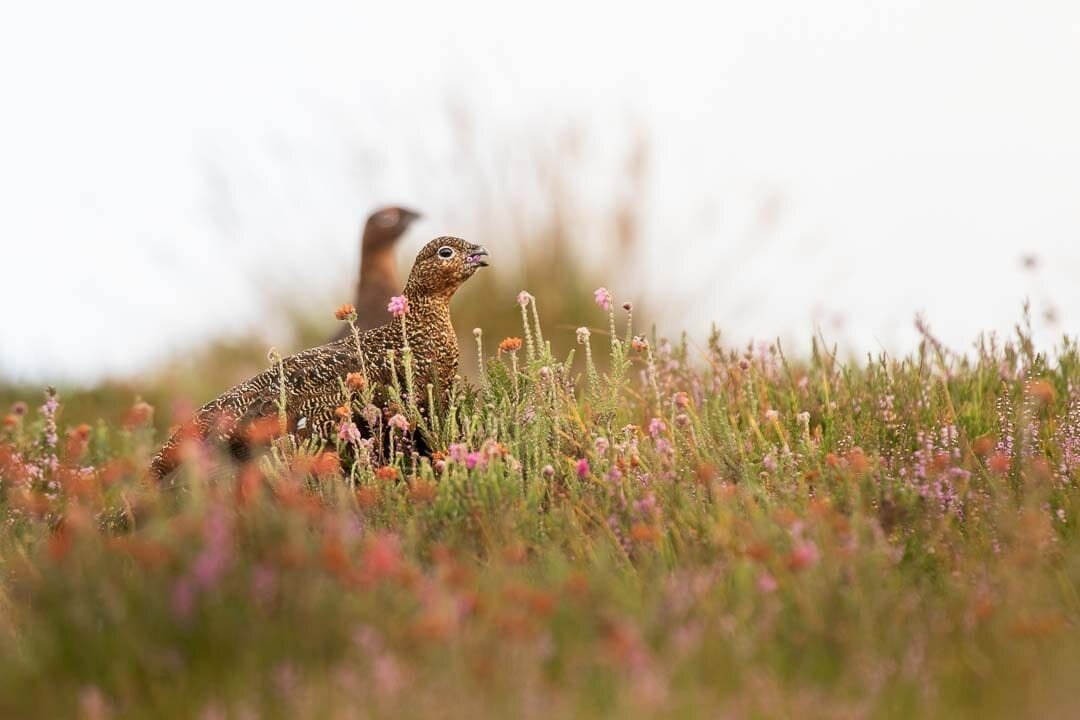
(442, 266)
(386, 225)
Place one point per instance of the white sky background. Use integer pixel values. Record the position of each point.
(166, 167)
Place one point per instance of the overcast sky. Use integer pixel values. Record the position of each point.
(162, 163)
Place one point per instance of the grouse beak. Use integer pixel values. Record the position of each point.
(478, 256)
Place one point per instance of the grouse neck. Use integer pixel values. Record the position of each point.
(377, 264)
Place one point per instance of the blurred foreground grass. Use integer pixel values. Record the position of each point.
(685, 534)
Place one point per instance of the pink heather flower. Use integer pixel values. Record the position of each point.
(210, 565)
(583, 468)
(766, 583)
(770, 462)
(601, 444)
(458, 452)
(524, 298)
(398, 421)
(656, 426)
(603, 298)
(583, 335)
(548, 472)
(348, 432)
(19, 409)
(370, 414)
(803, 555)
(681, 400)
(399, 306)
(264, 584)
(473, 459)
(183, 599)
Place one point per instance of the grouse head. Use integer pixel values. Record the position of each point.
(443, 265)
(387, 224)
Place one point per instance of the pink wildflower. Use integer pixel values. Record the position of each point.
(548, 472)
(473, 459)
(399, 306)
(583, 335)
(766, 583)
(602, 297)
(601, 444)
(656, 426)
(583, 468)
(523, 298)
(348, 432)
(458, 452)
(803, 555)
(398, 421)
(770, 462)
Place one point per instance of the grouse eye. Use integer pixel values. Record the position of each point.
(446, 252)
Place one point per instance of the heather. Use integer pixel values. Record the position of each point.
(611, 524)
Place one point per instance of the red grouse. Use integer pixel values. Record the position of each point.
(314, 378)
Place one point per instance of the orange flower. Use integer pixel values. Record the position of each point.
(344, 312)
(342, 412)
(642, 532)
(422, 491)
(510, 344)
(10, 421)
(1041, 390)
(356, 381)
(263, 430)
(367, 497)
(983, 446)
(999, 463)
(138, 414)
(386, 474)
(857, 460)
(326, 463)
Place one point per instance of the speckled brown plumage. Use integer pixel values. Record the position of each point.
(313, 377)
(377, 279)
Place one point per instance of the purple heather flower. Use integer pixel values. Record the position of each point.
(656, 426)
(399, 306)
(19, 409)
(458, 451)
(473, 459)
(602, 297)
(348, 432)
(766, 583)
